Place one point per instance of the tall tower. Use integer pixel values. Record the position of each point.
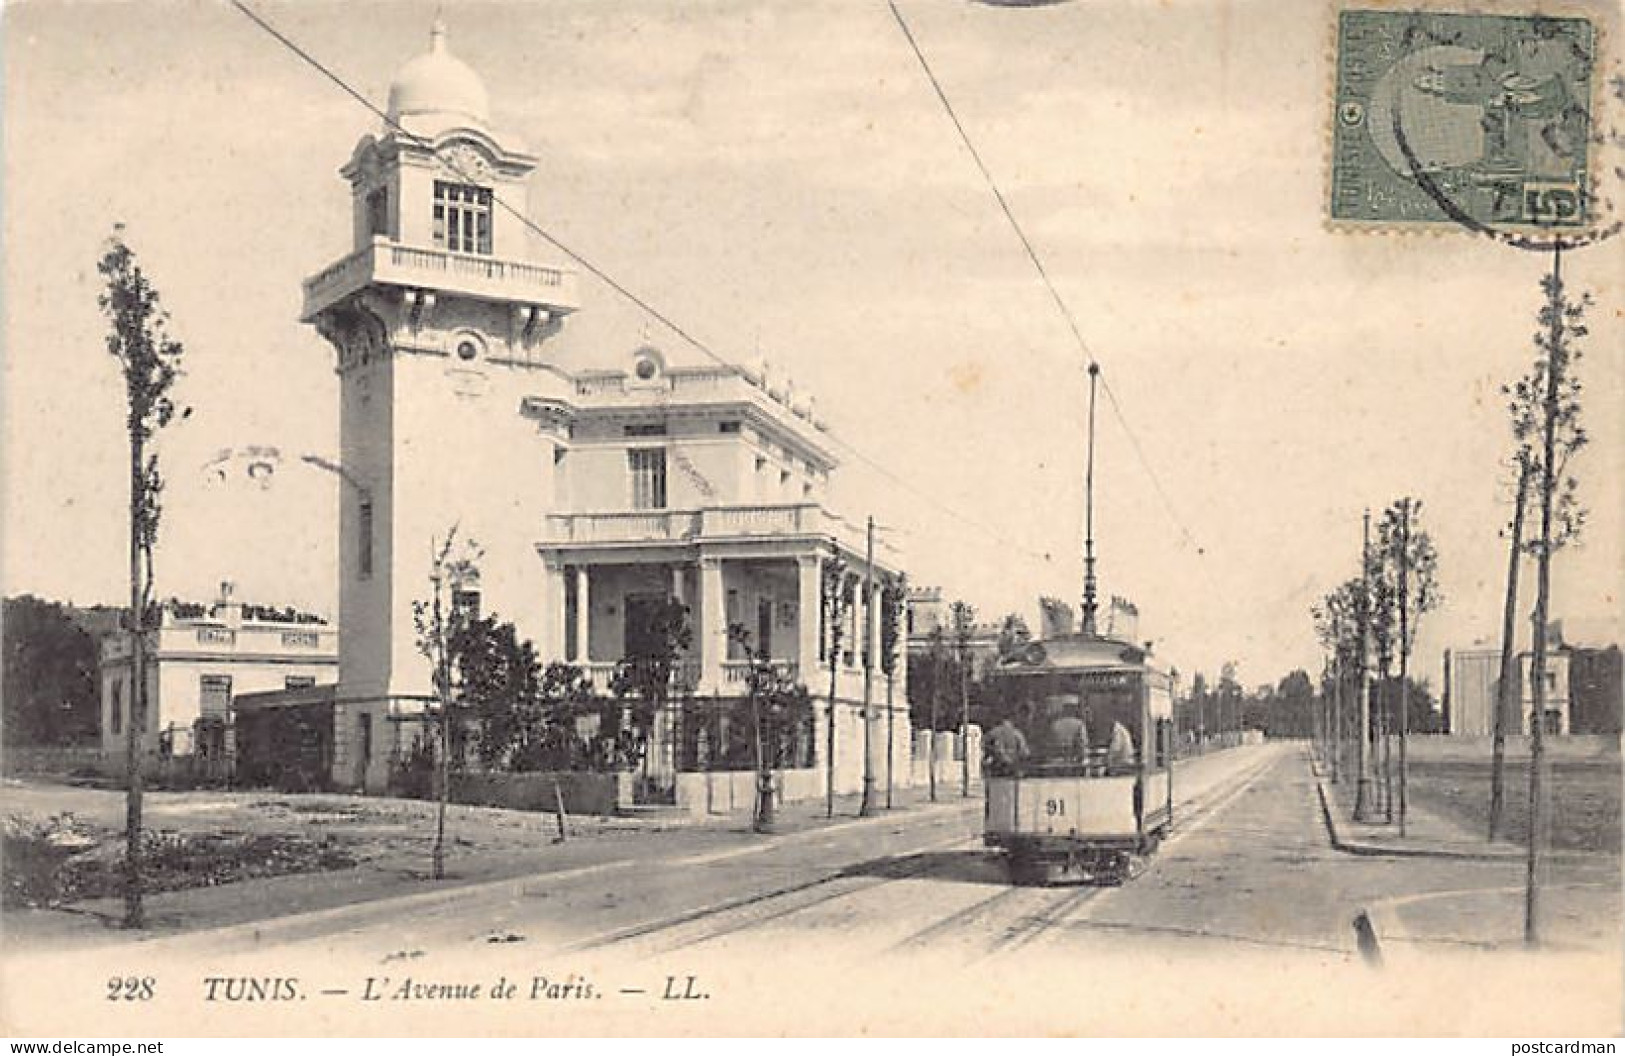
(450, 414)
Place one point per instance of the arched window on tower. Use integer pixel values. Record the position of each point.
(462, 217)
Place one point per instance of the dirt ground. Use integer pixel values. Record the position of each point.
(1585, 798)
(299, 832)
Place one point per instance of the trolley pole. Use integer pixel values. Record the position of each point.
(867, 808)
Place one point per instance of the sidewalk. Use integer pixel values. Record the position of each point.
(593, 845)
(1427, 834)
(1576, 915)
(1574, 918)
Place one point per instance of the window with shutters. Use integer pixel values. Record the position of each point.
(214, 694)
(648, 469)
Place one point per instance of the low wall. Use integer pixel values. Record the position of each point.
(51, 759)
(949, 759)
(583, 792)
(1446, 748)
(732, 791)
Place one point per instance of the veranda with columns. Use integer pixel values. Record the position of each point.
(755, 571)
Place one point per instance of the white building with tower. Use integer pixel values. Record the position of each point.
(592, 493)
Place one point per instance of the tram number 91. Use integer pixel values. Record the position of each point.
(1055, 807)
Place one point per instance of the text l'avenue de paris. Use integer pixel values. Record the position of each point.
(570, 987)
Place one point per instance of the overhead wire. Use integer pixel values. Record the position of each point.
(621, 289)
(1089, 356)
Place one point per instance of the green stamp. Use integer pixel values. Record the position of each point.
(1477, 120)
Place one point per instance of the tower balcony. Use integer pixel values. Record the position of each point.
(387, 263)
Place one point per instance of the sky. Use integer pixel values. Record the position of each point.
(780, 179)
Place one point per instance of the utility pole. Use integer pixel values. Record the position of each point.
(1362, 785)
(1505, 691)
(867, 807)
(1404, 647)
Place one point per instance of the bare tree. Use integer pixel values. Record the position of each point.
(1506, 698)
(138, 337)
(1554, 383)
(1409, 552)
(1336, 628)
(451, 568)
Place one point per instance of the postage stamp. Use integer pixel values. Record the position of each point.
(1474, 119)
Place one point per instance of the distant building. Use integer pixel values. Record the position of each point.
(928, 615)
(1471, 680)
(1596, 689)
(198, 659)
(1582, 690)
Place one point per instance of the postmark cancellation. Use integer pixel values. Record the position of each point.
(1444, 117)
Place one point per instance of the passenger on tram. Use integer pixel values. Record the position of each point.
(1120, 751)
(1006, 748)
(1068, 734)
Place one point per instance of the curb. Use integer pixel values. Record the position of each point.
(1374, 850)
(513, 887)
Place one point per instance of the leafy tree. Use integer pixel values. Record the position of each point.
(893, 622)
(499, 688)
(1294, 703)
(1229, 698)
(779, 706)
(835, 600)
(149, 358)
(50, 691)
(1200, 702)
(962, 618)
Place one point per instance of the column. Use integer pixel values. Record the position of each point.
(807, 623)
(713, 637)
(583, 614)
(874, 690)
(553, 612)
(679, 594)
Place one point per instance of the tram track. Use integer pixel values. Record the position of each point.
(1007, 915)
(901, 866)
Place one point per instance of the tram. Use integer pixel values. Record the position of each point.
(1079, 761)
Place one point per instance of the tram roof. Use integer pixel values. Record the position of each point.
(1072, 652)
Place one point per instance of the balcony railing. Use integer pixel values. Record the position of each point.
(392, 264)
(737, 672)
(713, 522)
(685, 674)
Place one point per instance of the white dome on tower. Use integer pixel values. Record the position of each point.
(437, 84)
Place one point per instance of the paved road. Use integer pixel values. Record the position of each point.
(1242, 905)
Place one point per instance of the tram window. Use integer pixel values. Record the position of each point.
(1091, 729)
